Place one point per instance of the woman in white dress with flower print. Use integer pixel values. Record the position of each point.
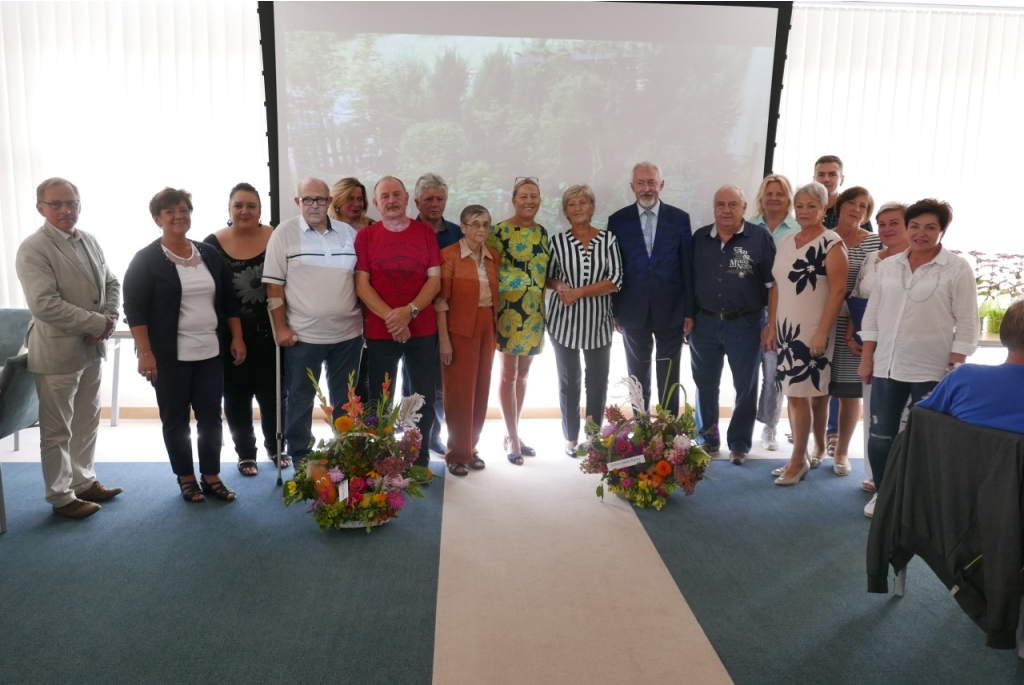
(810, 275)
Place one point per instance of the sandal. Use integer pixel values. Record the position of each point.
(524, 449)
(190, 491)
(868, 485)
(458, 469)
(516, 459)
(217, 489)
(285, 460)
(477, 463)
(248, 467)
(831, 442)
(841, 469)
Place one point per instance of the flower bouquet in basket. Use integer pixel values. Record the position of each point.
(363, 475)
(644, 459)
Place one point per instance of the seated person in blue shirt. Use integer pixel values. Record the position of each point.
(989, 396)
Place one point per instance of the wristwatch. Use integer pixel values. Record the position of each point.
(414, 310)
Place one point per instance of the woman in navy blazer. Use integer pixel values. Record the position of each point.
(178, 300)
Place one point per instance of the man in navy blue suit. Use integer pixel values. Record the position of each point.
(655, 305)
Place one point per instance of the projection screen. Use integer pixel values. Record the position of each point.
(484, 92)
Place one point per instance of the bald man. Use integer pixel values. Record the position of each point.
(732, 263)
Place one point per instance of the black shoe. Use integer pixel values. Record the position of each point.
(710, 449)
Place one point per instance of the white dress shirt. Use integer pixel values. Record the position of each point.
(919, 318)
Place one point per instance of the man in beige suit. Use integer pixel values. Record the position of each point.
(74, 299)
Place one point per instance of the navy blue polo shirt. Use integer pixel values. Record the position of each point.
(451, 234)
(733, 277)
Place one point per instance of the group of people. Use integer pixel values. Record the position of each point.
(802, 292)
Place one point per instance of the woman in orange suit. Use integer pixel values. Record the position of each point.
(466, 326)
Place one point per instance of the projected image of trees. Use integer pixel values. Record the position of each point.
(482, 111)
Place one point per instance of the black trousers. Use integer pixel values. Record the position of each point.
(197, 386)
(252, 378)
(423, 361)
(570, 377)
(640, 344)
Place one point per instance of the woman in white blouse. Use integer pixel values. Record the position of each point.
(892, 231)
(921, 322)
(178, 297)
(585, 269)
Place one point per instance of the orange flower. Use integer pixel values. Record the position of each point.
(324, 462)
(388, 430)
(344, 424)
(657, 479)
(379, 498)
(663, 468)
(386, 386)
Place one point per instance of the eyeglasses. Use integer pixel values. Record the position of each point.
(55, 206)
(478, 225)
(527, 179)
(310, 201)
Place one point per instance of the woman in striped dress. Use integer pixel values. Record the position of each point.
(853, 206)
(585, 270)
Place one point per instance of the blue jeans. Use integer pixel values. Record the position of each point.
(739, 340)
(833, 416)
(888, 399)
(423, 360)
(342, 359)
(769, 406)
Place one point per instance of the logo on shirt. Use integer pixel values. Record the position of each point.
(740, 264)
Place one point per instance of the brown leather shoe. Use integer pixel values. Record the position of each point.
(97, 492)
(737, 457)
(77, 509)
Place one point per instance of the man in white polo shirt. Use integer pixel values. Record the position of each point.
(311, 292)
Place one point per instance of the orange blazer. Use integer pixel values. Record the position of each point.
(460, 285)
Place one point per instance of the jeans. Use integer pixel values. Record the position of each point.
(570, 377)
(423, 360)
(640, 344)
(342, 359)
(181, 386)
(739, 340)
(833, 416)
(769, 406)
(888, 399)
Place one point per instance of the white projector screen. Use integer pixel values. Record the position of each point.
(483, 92)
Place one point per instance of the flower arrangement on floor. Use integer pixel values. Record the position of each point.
(363, 475)
(999, 282)
(644, 459)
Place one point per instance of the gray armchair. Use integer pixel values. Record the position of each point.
(13, 326)
(19, 408)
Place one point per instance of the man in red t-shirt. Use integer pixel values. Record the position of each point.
(398, 273)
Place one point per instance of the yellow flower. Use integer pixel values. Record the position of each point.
(344, 423)
(379, 498)
(292, 487)
(642, 484)
(609, 440)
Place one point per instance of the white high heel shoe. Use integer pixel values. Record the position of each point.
(782, 480)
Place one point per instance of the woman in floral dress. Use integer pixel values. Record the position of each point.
(524, 249)
(810, 275)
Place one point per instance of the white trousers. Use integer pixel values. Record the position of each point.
(69, 418)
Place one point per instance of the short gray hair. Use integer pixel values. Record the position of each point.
(55, 181)
(429, 181)
(646, 165)
(573, 191)
(1011, 330)
(729, 186)
(387, 178)
(816, 191)
(891, 207)
(298, 188)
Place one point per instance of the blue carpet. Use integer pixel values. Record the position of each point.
(152, 589)
(776, 577)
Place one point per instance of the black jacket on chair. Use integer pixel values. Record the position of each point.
(952, 495)
(152, 296)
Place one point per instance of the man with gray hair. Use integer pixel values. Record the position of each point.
(431, 197)
(732, 263)
(74, 300)
(311, 293)
(989, 396)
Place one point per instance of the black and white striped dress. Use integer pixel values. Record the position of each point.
(588, 324)
(845, 380)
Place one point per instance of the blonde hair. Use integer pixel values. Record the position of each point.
(572, 191)
(341, 192)
(773, 178)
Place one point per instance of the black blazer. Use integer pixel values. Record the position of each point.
(152, 296)
(661, 283)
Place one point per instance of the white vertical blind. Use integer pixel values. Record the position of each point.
(124, 98)
(918, 103)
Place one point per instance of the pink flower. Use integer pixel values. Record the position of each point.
(622, 446)
(627, 483)
(681, 442)
(607, 430)
(395, 499)
(603, 468)
(335, 474)
(357, 484)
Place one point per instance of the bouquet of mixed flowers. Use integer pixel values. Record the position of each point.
(645, 458)
(363, 475)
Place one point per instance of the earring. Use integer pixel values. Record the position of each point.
(230, 222)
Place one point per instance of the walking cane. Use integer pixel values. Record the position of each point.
(277, 383)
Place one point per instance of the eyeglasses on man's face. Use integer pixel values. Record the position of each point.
(310, 201)
(56, 206)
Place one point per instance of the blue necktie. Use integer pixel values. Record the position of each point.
(649, 231)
